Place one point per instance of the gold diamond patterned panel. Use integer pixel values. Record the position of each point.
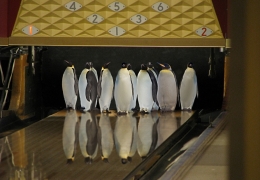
(180, 20)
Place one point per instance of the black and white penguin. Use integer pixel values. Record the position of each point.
(134, 84)
(167, 94)
(146, 89)
(70, 86)
(106, 137)
(123, 91)
(105, 88)
(188, 88)
(151, 67)
(124, 137)
(88, 137)
(70, 135)
(88, 88)
(148, 136)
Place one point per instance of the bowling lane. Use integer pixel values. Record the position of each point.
(44, 149)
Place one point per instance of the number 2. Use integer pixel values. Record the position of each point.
(204, 31)
(95, 18)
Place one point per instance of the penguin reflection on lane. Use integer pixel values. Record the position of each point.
(70, 86)
(88, 137)
(123, 92)
(147, 135)
(167, 125)
(125, 137)
(134, 84)
(146, 89)
(167, 94)
(70, 135)
(188, 88)
(88, 88)
(106, 137)
(105, 88)
(150, 67)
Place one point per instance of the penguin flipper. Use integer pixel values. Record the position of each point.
(154, 137)
(99, 88)
(132, 86)
(76, 87)
(196, 82)
(154, 85)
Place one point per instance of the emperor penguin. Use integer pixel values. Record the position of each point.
(124, 137)
(147, 133)
(105, 88)
(146, 89)
(188, 88)
(88, 136)
(106, 137)
(70, 135)
(167, 125)
(167, 94)
(87, 89)
(70, 86)
(134, 84)
(123, 92)
(151, 67)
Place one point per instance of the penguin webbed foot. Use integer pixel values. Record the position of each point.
(143, 157)
(123, 161)
(105, 160)
(69, 161)
(121, 113)
(88, 160)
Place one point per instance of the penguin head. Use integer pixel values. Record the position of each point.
(190, 65)
(150, 65)
(69, 64)
(124, 65)
(105, 66)
(129, 66)
(87, 65)
(165, 66)
(124, 161)
(143, 67)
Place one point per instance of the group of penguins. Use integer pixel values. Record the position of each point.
(152, 90)
(95, 135)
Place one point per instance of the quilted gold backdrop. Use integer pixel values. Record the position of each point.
(57, 18)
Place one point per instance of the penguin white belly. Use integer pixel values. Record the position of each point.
(68, 89)
(188, 89)
(144, 91)
(107, 140)
(107, 86)
(84, 140)
(123, 136)
(134, 82)
(167, 91)
(166, 126)
(145, 134)
(69, 134)
(82, 90)
(123, 91)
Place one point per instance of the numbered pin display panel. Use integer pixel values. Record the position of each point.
(122, 18)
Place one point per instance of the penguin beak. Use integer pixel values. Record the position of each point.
(161, 64)
(68, 62)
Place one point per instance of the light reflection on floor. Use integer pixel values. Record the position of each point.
(69, 145)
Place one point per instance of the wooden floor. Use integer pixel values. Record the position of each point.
(41, 150)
